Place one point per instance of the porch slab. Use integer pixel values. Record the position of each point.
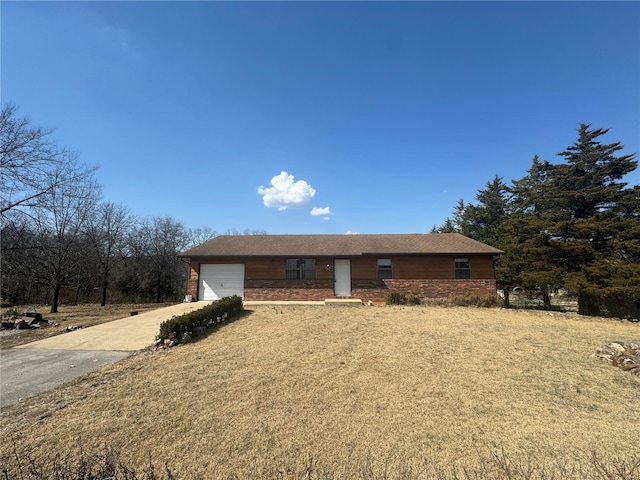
(353, 302)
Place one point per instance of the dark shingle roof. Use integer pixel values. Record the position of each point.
(339, 245)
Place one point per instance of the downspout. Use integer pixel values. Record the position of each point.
(188, 262)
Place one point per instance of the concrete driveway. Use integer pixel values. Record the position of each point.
(38, 366)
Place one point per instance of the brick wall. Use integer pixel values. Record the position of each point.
(374, 290)
(442, 288)
(377, 290)
(268, 290)
(192, 282)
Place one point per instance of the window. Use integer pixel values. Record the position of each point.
(301, 269)
(462, 268)
(384, 268)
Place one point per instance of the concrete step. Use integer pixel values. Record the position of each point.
(352, 302)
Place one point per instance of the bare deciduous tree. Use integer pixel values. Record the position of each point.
(21, 273)
(107, 232)
(247, 231)
(60, 224)
(32, 163)
(156, 244)
(200, 235)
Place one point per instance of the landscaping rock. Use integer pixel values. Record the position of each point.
(33, 316)
(71, 328)
(34, 322)
(22, 324)
(171, 341)
(28, 319)
(626, 356)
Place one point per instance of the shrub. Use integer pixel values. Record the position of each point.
(395, 298)
(471, 300)
(198, 320)
(399, 298)
(467, 300)
(413, 300)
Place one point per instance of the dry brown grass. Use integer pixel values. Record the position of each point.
(378, 392)
(85, 315)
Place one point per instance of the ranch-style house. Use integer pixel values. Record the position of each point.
(321, 267)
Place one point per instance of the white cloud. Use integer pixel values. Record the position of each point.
(285, 192)
(320, 211)
(351, 233)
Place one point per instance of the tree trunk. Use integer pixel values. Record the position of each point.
(56, 299)
(77, 292)
(103, 302)
(158, 290)
(506, 298)
(546, 299)
(105, 285)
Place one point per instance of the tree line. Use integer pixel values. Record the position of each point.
(574, 224)
(61, 243)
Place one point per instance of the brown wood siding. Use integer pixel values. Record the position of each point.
(364, 268)
(482, 266)
(264, 268)
(267, 268)
(324, 268)
(429, 267)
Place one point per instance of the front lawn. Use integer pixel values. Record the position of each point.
(344, 392)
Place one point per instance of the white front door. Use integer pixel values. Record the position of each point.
(342, 270)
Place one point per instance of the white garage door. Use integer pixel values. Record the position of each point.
(224, 280)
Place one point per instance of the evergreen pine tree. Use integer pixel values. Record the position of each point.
(573, 224)
(589, 182)
(597, 224)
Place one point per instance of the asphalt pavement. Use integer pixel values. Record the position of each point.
(25, 373)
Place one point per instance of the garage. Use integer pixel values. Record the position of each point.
(221, 280)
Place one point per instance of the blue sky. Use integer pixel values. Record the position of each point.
(319, 117)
